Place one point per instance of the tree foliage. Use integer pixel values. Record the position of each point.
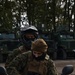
(46, 14)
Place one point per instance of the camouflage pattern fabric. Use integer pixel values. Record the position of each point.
(19, 65)
(15, 52)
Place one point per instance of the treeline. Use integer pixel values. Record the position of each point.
(47, 15)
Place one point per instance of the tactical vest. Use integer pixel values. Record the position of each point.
(38, 67)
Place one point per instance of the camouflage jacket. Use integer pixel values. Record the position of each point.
(19, 66)
(15, 52)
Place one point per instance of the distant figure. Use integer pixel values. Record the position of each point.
(59, 49)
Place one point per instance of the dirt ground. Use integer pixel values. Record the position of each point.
(59, 65)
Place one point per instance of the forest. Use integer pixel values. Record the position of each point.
(47, 15)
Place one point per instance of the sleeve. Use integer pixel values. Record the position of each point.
(17, 65)
(52, 68)
(12, 56)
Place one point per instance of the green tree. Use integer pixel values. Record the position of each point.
(45, 14)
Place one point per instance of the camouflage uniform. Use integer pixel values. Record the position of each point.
(28, 34)
(25, 62)
(15, 52)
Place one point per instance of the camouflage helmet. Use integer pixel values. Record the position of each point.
(39, 45)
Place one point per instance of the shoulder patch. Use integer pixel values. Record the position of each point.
(47, 57)
(21, 47)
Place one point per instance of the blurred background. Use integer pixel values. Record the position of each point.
(55, 20)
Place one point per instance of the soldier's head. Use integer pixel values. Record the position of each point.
(39, 48)
(29, 34)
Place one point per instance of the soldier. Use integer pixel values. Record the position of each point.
(28, 34)
(34, 62)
